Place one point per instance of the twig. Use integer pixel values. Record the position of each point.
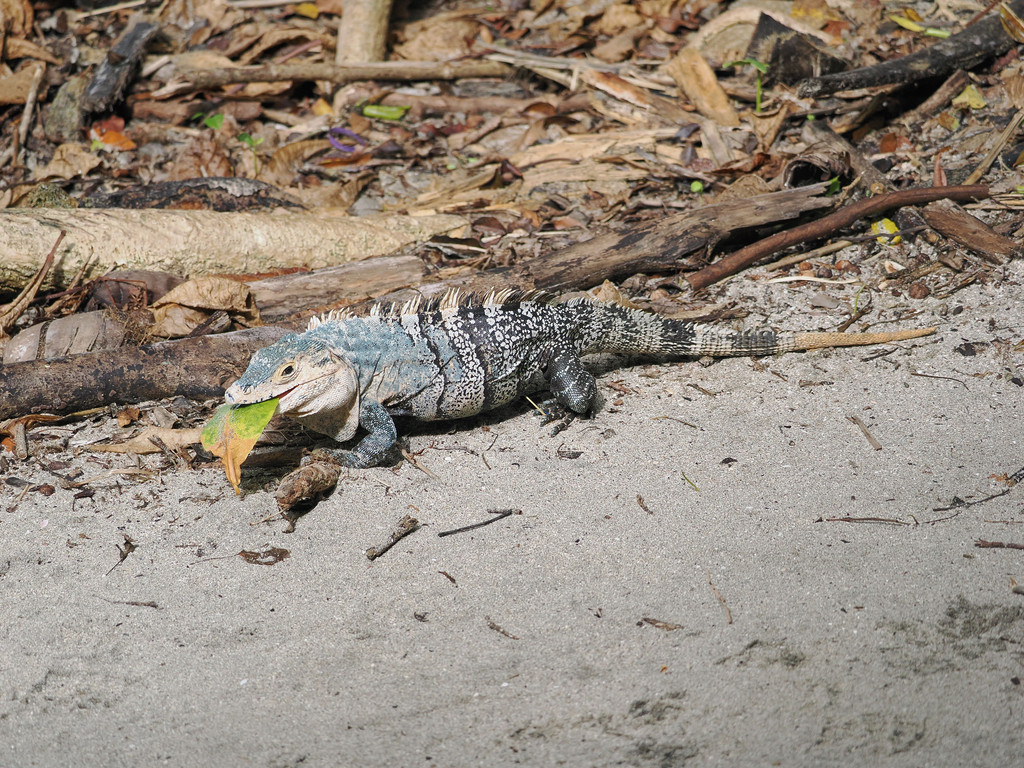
(405, 526)
(668, 626)
(498, 629)
(384, 70)
(30, 105)
(10, 312)
(996, 148)
(959, 503)
(127, 549)
(111, 9)
(133, 603)
(885, 520)
(996, 545)
(826, 225)
(936, 376)
(864, 428)
(499, 514)
(728, 613)
(412, 460)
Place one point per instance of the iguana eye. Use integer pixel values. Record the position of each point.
(286, 371)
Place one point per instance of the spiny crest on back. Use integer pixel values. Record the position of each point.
(451, 300)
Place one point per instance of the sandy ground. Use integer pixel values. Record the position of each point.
(747, 623)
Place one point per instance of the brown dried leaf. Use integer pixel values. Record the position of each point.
(285, 162)
(70, 160)
(14, 88)
(269, 556)
(203, 156)
(276, 36)
(141, 443)
(128, 416)
(17, 16)
(439, 38)
(19, 48)
(186, 306)
(609, 293)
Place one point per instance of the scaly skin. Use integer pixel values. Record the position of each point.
(462, 356)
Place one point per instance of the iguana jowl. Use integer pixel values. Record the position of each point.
(462, 355)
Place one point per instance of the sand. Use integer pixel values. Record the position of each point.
(717, 569)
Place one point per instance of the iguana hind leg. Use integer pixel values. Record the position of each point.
(572, 385)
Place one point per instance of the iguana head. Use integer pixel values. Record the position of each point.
(312, 383)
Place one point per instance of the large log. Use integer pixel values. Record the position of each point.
(198, 368)
(198, 242)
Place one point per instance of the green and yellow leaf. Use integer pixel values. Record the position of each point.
(232, 433)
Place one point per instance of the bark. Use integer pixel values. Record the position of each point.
(826, 226)
(383, 70)
(197, 368)
(363, 32)
(197, 242)
(299, 294)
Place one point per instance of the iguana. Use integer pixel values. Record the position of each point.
(463, 354)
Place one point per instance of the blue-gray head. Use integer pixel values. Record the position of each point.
(312, 383)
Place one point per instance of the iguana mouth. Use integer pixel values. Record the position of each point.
(287, 392)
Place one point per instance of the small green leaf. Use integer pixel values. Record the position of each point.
(760, 66)
(697, 187)
(214, 121)
(382, 112)
(833, 186)
(249, 141)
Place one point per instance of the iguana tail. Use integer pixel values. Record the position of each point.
(822, 340)
(615, 328)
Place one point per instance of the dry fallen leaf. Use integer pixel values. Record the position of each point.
(70, 160)
(184, 307)
(141, 443)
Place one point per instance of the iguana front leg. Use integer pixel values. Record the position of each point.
(374, 447)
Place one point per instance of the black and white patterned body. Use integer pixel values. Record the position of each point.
(461, 355)
(460, 360)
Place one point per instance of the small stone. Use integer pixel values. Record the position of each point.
(919, 290)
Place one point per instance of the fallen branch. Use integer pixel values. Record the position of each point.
(826, 226)
(196, 367)
(963, 50)
(658, 245)
(198, 242)
(945, 217)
